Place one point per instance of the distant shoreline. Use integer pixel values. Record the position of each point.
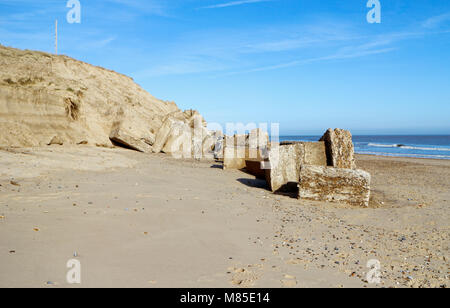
(435, 147)
(402, 157)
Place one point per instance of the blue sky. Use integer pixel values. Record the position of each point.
(306, 64)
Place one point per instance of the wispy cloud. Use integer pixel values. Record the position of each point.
(370, 46)
(232, 3)
(295, 43)
(179, 68)
(336, 56)
(435, 21)
(96, 44)
(223, 52)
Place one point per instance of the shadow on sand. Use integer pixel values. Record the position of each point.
(254, 183)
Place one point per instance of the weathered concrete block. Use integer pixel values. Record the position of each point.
(235, 157)
(283, 165)
(291, 156)
(198, 138)
(329, 184)
(315, 153)
(340, 149)
(208, 147)
(120, 136)
(219, 149)
(179, 142)
(253, 166)
(241, 140)
(217, 146)
(239, 148)
(258, 138)
(290, 142)
(163, 134)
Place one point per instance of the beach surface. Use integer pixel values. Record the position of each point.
(139, 220)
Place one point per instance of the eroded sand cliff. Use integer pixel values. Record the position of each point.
(45, 98)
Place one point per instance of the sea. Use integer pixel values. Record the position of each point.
(435, 147)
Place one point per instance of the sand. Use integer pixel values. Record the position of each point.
(138, 220)
(45, 96)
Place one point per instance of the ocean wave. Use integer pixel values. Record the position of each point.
(407, 147)
(405, 155)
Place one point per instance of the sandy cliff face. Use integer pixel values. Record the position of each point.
(43, 97)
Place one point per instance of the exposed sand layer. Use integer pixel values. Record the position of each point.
(137, 220)
(45, 96)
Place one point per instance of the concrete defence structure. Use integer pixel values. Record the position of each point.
(285, 161)
(340, 148)
(330, 184)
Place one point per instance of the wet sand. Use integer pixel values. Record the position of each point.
(136, 220)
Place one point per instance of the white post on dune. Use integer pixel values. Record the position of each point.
(56, 36)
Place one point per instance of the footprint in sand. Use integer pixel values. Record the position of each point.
(243, 277)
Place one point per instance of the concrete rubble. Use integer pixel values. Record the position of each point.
(179, 140)
(121, 137)
(330, 184)
(285, 161)
(241, 148)
(340, 149)
(283, 166)
(184, 135)
(320, 171)
(254, 167)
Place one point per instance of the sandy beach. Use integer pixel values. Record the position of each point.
(140, 220)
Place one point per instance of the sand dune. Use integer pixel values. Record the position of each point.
(43, 96)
